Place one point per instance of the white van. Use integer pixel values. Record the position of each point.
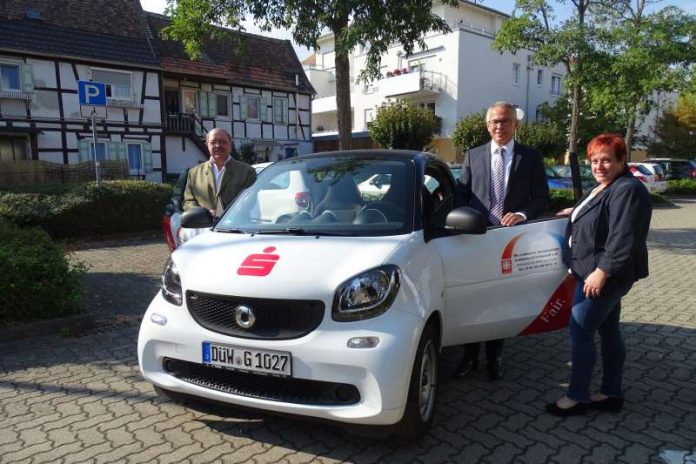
(339, 310)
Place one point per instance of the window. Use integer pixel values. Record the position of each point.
(101, 151)
(9, 77)
(280, 110)
(13, 148)
(515, 73)
(118, 84)
(190, 101)
(135, 158)
(427, 105)
(222, 104)
(540, 77)
(369, 117)
(253, 107)
(556, 85)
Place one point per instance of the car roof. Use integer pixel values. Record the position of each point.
(396, 155)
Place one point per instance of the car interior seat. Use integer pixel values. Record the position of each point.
(342, 201)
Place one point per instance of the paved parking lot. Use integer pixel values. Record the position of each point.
(81, 398)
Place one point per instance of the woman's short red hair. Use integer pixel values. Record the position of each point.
(607, 140)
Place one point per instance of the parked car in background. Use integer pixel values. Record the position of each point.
(174, 234)
(340, 311)
(557, 182)
(563, 172)
(676, 169)
(645, 175)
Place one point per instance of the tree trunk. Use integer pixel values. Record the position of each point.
(343, 101)
(630, 132)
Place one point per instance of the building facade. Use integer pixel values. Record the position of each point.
(160, 104)
(458, 73)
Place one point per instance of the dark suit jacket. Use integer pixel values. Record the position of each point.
(610, 232)
(200, 184)
(527, 190)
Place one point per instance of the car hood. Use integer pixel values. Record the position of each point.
(273, 266)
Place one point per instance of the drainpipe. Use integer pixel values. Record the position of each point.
(526, 97)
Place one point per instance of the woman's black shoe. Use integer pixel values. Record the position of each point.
(578, 409)
(608, 404)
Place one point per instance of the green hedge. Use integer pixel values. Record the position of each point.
(681, 187)
(560, 199)
(36, 279)
(82, 209)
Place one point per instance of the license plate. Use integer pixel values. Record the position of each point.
(235, 357)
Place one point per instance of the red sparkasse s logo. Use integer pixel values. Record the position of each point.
(259, 264)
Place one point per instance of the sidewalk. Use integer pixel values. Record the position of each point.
(82, 399)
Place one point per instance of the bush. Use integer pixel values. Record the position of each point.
(560, 199)
(398, 125)
(681, 187)
(83, 209)
(36, 279)
(471, 131)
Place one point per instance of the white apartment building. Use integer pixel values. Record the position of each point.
(457, 74)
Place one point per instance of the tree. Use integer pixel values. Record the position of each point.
(471, 131)
(398, 125)
(675, 131)
(548, 139)
(648, 53)
(570, 42)
(376, 25)
(590, 123)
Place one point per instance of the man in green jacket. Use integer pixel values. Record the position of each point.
(216, 183)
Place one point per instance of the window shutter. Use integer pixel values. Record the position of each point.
(27, 78)
(264, 110)
(120, 153)
(84, 151)
(203, 101)
(111, 151)
(285, 110)
(242, 107)
(147, 157)
(212, 104)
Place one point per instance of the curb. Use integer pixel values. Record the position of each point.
(46, 327)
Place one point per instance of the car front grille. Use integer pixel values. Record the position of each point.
(273, 319)
(285, 389)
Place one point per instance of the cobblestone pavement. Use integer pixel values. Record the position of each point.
(82, 399)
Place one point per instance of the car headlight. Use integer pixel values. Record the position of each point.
(366, 295)
(171, 284)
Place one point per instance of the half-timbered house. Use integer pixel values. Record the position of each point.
(160, 103)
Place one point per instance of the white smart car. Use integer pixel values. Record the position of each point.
(339, 310)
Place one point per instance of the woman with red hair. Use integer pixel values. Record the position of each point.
(607, 235)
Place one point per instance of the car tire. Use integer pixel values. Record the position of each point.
(422, 392)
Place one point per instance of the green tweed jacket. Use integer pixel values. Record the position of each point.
(200, 185)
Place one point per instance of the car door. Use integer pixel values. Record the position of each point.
(509, 281)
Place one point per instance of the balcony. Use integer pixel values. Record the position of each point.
(413, 84)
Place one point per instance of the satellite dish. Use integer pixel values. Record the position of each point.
(520, 113)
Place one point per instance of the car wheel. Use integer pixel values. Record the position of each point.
(422, 392)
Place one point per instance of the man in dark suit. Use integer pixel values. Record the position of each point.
(505, 181)
(216, 183)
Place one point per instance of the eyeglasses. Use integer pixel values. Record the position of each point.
(500, 122)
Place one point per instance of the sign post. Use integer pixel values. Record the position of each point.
(92, 95)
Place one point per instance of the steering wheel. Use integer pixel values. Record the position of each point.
(390, 211)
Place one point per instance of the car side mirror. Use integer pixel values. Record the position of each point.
(196, 218)
(466, 220)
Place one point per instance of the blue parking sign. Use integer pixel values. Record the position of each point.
(91, 93)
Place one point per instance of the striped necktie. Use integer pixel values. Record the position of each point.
(497, 187)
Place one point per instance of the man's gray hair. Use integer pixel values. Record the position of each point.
(502, 104)
(207, 135)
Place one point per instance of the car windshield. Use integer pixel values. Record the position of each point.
(327, 195)
(564, 171)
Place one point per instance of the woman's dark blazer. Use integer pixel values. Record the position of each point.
(611, 232)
